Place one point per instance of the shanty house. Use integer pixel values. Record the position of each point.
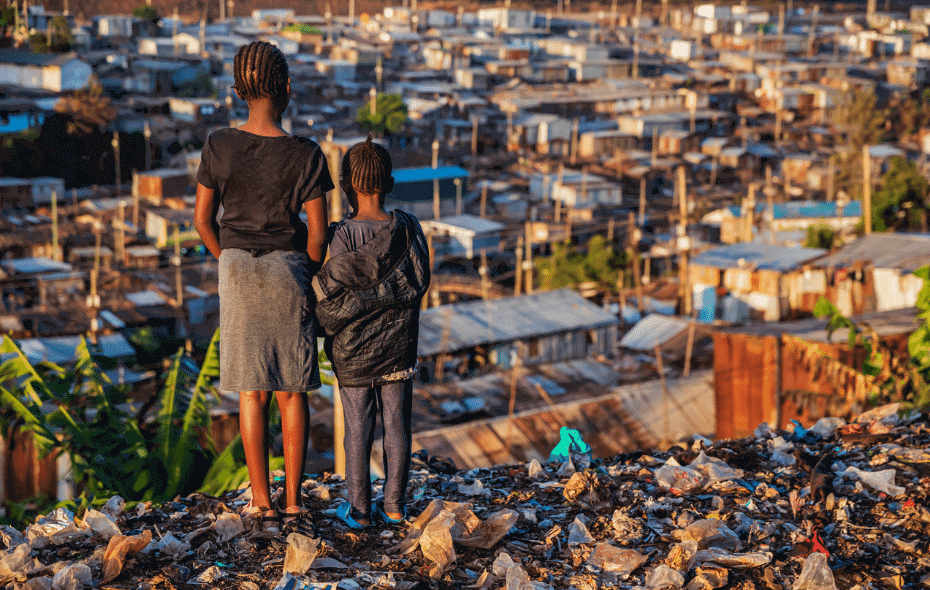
(161, 183)
(752, 275)
(413, 189)
(543, 327)
(160, 224)
(43, 71)
(464, 235)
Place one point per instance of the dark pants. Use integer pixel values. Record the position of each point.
(361, 406)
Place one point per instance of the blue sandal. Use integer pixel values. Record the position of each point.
(344, 513)
(379, 510)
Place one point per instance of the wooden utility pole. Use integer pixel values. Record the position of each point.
(655, 147)
(118, 177)
(147, 134)
(176, 260)
(484, 199)
(749, 210)
(474, 136)
(121, 232)
(436, 207)
(642, 200)
(429, 246)
(528, 257)
(683, 242)
(866, 190)
(574, 142)
(373, 101)
(93, 300)
(56, 250)
(135, 201)
(518, 268)
(458, 196)
(633, 238)
(483, 273)
(831, 179)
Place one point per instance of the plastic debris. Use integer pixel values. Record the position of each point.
(616, 560)
(570, 444)
(578, 533)
(825, 427)
(73, 577)
(228, 526)
(436, 542)
(114, 507)
(815, 574)
(709, 533)
(883, 481)
(534, 470)
(301, 551)
(118, 549)
(663, 577)
(102, 524)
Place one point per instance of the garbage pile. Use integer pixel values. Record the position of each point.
(839, 505)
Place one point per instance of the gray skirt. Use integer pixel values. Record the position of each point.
(267, 324)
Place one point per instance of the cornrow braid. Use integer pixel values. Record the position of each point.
(260, 71)
(367, 166)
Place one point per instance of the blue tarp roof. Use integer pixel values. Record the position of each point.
(760, 256)
(426, 173)
(807, 209)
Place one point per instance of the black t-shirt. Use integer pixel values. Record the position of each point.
(262, 183)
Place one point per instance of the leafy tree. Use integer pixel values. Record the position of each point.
(57, 39)
(567, 267)
(390, 115)
(146, 12)
(88, 110)
(861, 122)
(901, 202)
(80, 412)
(820, 236)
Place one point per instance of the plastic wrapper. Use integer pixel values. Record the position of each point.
(169, 546)
(663, 577)
(815, 574)
(578, 533)
(228, 526)
(490, 531)
(118, 549)
(74, 576)
(102, 524)
(626, 530)
(825, 427)
(681, 555)
(678, 479)
(722, 557)
(17, 564)
(709, 533)
(10, 537)
(616, 560)
(56, 527)
(534, 470)
(436, 542)
(714, 469)
(882, 481)
(476, 488)
(301, 551)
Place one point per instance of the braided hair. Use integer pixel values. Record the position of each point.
(260, 71)
(367, 167)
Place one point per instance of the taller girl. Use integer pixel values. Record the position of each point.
(263, 177)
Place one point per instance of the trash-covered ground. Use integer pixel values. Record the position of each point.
(837, 506)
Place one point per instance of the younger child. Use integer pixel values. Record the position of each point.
(368, 302)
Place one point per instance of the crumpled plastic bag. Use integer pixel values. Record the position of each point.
(10, 537)
(114, 507)
(782, 451)
(534, 470)
(825, 427)
(501, 564)
(906, 454)
(436, 542)
(118, 549)
(570, 445)
(585, 488)
(616, 560)
(714, 469)
(301, 551)
(491, 530)
(228, 526)
(663, 577)
(815, 574)
(169, 545)
(707, 578)
(882, 481)
(475, 489)
(627, 530)
(725, 558)
(57, 527)
(672, 476)
(102, 524)
(578, 533)
(709, 532)
(208, 576)
(17, 564)
(888, 414)
(73, 577)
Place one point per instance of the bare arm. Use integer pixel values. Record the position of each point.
(316, 228)
(205, 218)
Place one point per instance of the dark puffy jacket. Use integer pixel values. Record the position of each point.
(368, 303)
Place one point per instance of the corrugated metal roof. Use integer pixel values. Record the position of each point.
(473, 223)
(35, 265)
(806, 209)
(472, 323)
(61, 349)
(426, 173)
(653, 330)
(885, 250)
(759, 256)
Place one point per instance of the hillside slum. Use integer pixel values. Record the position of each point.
(838, 505)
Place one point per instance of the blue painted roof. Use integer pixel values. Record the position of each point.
(806, 209)
(759, 256)
(427, 173)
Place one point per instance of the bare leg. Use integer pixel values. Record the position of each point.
(253, 426)
(294, 417)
